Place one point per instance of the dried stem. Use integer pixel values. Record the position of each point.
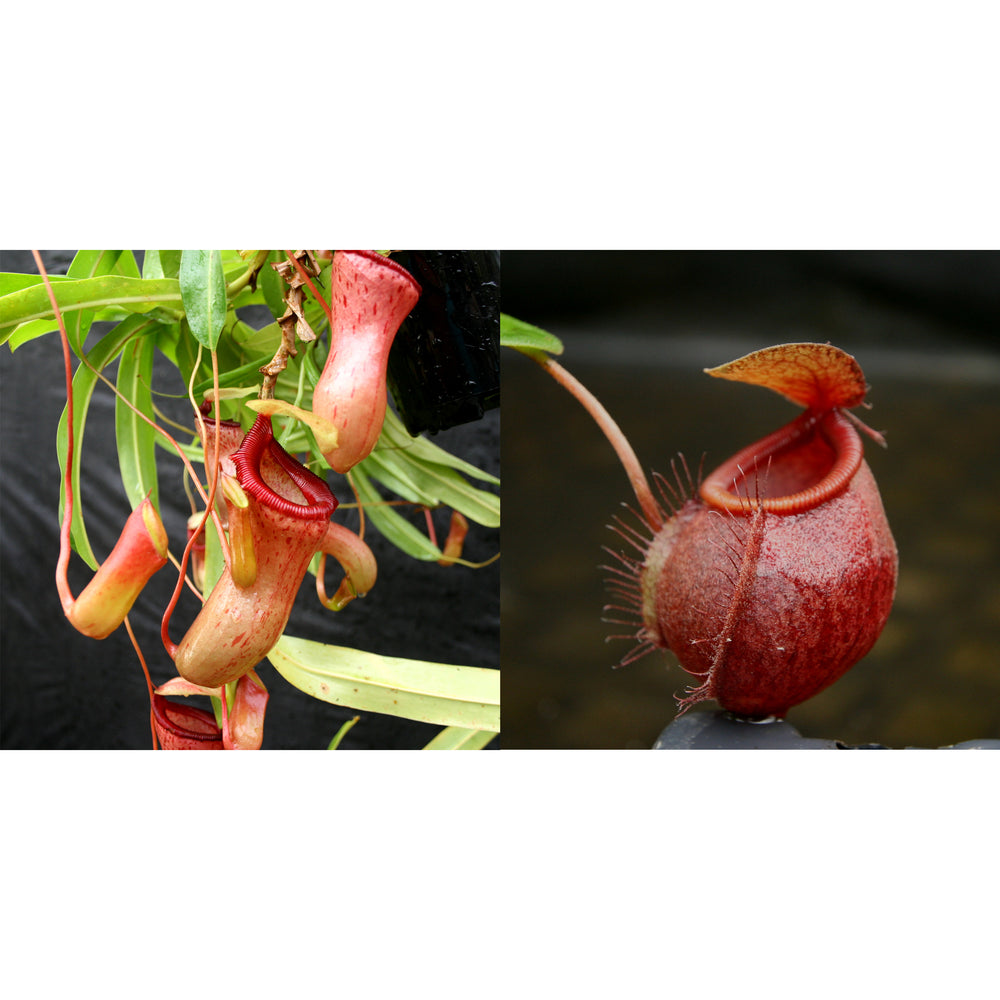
(279, 362)
(312, 288)
(293, 324)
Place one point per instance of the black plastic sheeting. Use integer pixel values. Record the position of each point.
(60, 690)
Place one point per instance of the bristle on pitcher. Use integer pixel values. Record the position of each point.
(623, 582)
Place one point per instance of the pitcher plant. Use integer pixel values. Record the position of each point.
(262, 514)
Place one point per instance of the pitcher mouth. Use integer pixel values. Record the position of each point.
(381, 261)
(829, 448)
(320, 502)
(191, 726)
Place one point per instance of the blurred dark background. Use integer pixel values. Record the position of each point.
(61, 690)
(638, 328)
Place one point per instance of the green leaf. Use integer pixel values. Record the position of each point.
(88, 263)
(91, 264)
(126, 265)
(456, 738)
(215, 560)
(421, 472)
(386, 472)
(14, 281)
(161, 264)
(102, 354)
(432, 485)
(203, 289)
(185, 354)
(390, 523)
(111, 293)
(34, 329)
(439, 693)
(396, 436)
(273, 287)
(136, 439)
(523, 336)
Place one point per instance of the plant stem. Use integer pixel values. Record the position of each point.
(238, 284)
(209, 512)
(626, 454)
(62, 565)
(149, 680)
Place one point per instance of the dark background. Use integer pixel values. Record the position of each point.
(638, 329)
(61, 690)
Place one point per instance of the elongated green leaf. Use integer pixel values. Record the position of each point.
(89, 264)
(395, 437)
(419, 471)
(262, 341)
(104, 352)
(186, 354)
(439, 693)
(520, 335)
(135, 438)
(434, 484)
(39, 327)
(86, 264)
(99, 293)
(215, 561)
(390, 474)
(456, 738)
(14, 281)
(126, 265)
(161, 264)
(203, 289)
(395, 528)
(272, 286)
